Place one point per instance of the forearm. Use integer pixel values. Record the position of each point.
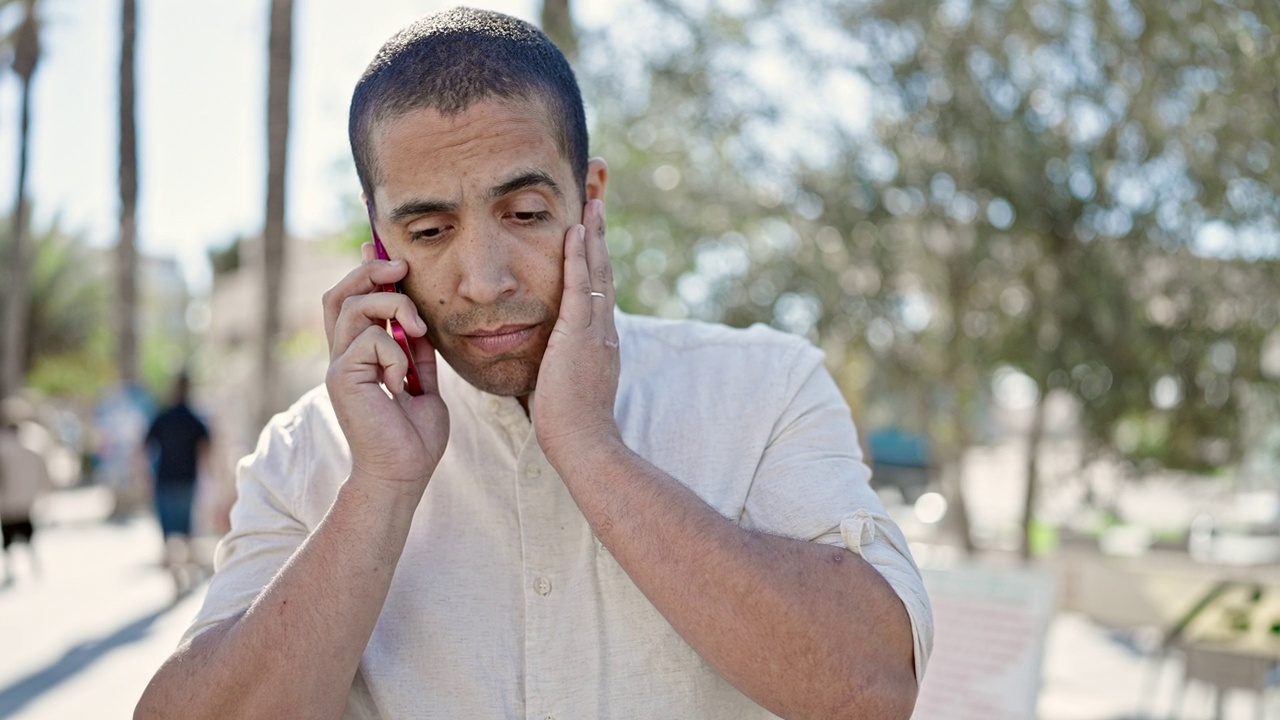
(804, 629)
(295, 651)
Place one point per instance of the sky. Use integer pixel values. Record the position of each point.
(201, 74)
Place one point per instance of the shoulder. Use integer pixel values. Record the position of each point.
(301, 456)
(310, 415)
(694, 346)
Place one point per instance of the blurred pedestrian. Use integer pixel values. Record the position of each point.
(24, 477)
(178, 442)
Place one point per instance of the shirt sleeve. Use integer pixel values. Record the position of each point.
(266, 528)
(812, 484)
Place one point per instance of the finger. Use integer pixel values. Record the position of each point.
(598, 263)
(373, 357)
(575, 303)
(362, 280)
(375, 309)
(424, 355)
(367, 252)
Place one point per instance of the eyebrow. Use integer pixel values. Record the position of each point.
(413, 208)
(526, 179)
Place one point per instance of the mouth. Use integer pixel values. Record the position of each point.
(504, 339)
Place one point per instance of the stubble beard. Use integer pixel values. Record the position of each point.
(515, 375)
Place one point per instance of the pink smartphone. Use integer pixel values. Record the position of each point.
(411, 383)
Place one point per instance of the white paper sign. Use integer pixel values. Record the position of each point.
(989, 639)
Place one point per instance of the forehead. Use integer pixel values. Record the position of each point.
(424, 150)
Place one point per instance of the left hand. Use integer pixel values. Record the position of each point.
(578, 378)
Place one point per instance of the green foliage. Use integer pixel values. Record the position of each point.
(69, 340)
(1081, 190)
(81, 373)
(227, 259)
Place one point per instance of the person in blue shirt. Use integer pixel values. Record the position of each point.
(178, 442)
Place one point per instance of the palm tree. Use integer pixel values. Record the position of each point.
(557, 23)
(280, 59)
(126, 248)
(66, 326)
(26, 56)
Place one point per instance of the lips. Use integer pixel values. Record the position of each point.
(505, 339)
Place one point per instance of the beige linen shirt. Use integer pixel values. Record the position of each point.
(504, 605)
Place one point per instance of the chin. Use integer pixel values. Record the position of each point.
(516, 377)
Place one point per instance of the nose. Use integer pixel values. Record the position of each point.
(484, 266)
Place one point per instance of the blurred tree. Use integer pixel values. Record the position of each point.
(69, 348)
(25, 49)
(1024, 189)
(227, 258)
(1070, 124)
(557, 23)
(280, 60)
(126, 314)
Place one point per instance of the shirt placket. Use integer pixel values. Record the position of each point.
(544, 583)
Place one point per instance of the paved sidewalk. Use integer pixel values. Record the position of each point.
(83, 638)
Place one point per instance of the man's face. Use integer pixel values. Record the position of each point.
(478, 205)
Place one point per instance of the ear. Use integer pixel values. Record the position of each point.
(597, 178)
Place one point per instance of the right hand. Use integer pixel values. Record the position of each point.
(395, 441)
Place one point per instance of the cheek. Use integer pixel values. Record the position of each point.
(551, 268)
(426, 296)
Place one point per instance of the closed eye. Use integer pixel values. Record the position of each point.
(428, 234)
(531, 218)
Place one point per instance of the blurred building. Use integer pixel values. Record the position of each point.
(226, 362)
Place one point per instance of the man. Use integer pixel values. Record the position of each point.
(587, 514)
(24, 477)
(178, 442)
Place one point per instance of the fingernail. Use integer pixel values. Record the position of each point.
(582, 232)
(397, 262)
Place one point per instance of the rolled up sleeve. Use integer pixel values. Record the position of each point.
(812, 484)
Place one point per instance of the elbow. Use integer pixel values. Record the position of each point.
(889, 696)
(163, 697)
(149, 706)
(898, 696)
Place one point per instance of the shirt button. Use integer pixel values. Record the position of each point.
(532, 471)
(495, 405)
(542, 586)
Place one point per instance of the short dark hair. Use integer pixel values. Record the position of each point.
(450, 60)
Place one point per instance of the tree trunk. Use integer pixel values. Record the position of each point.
(1034, 437)
(952, 484)
(280, 59)
(557, 23)
(13, 356)
(127, 361)
(953, 469)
